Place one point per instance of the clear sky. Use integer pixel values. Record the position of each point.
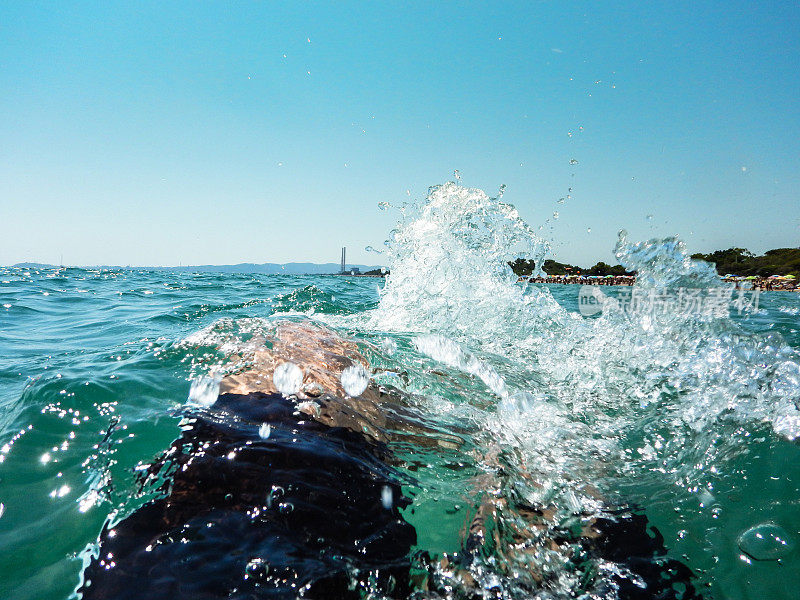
(166, 132)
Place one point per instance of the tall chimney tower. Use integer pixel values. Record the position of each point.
(344, 265)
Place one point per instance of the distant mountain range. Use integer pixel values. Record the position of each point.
(263, 268)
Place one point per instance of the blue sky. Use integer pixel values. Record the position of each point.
(165, 133)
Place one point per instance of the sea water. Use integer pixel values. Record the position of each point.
(688, 417)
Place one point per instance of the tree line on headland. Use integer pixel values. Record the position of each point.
(734, 261)
(741, 262)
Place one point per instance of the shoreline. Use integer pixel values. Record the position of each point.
(764, 284)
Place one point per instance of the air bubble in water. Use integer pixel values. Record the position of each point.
(572, 161)
(588, 230)
(264, 431)
(561, 200)
(257, 568)
(649, 217)
(765, 541)
(555, 214)
(288, 378)
(354, 380)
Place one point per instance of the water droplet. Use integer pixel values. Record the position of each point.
(649, 217)
(288, 378)
(354, 380)
(766, 541)
(264, 431)
(555, 214)
(257, 568)
(457, 175)
(572, 161)
(387, 497)
(561, 200)
(388, 345)
(588, 230)
(204, 390)
(501, 191)
(383, 205)
(285, 508)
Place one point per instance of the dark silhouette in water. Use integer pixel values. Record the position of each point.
(626, 540)
(310, 510)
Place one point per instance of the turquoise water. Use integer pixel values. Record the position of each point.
(85, 352)
(689, 420)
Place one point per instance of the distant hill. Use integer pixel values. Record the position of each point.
(34, 265)
(268, 268)
(262, 268)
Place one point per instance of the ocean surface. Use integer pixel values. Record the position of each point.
(689, 418)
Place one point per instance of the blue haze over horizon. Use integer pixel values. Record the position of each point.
(200, 133)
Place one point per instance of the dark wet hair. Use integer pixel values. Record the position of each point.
(301, 512)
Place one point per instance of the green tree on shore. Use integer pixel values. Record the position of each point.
(733, 261)
(742, 262)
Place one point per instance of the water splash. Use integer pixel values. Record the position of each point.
(675, 379)
(448, 352)
(665, 399)
(448, 266)
(664, 263)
